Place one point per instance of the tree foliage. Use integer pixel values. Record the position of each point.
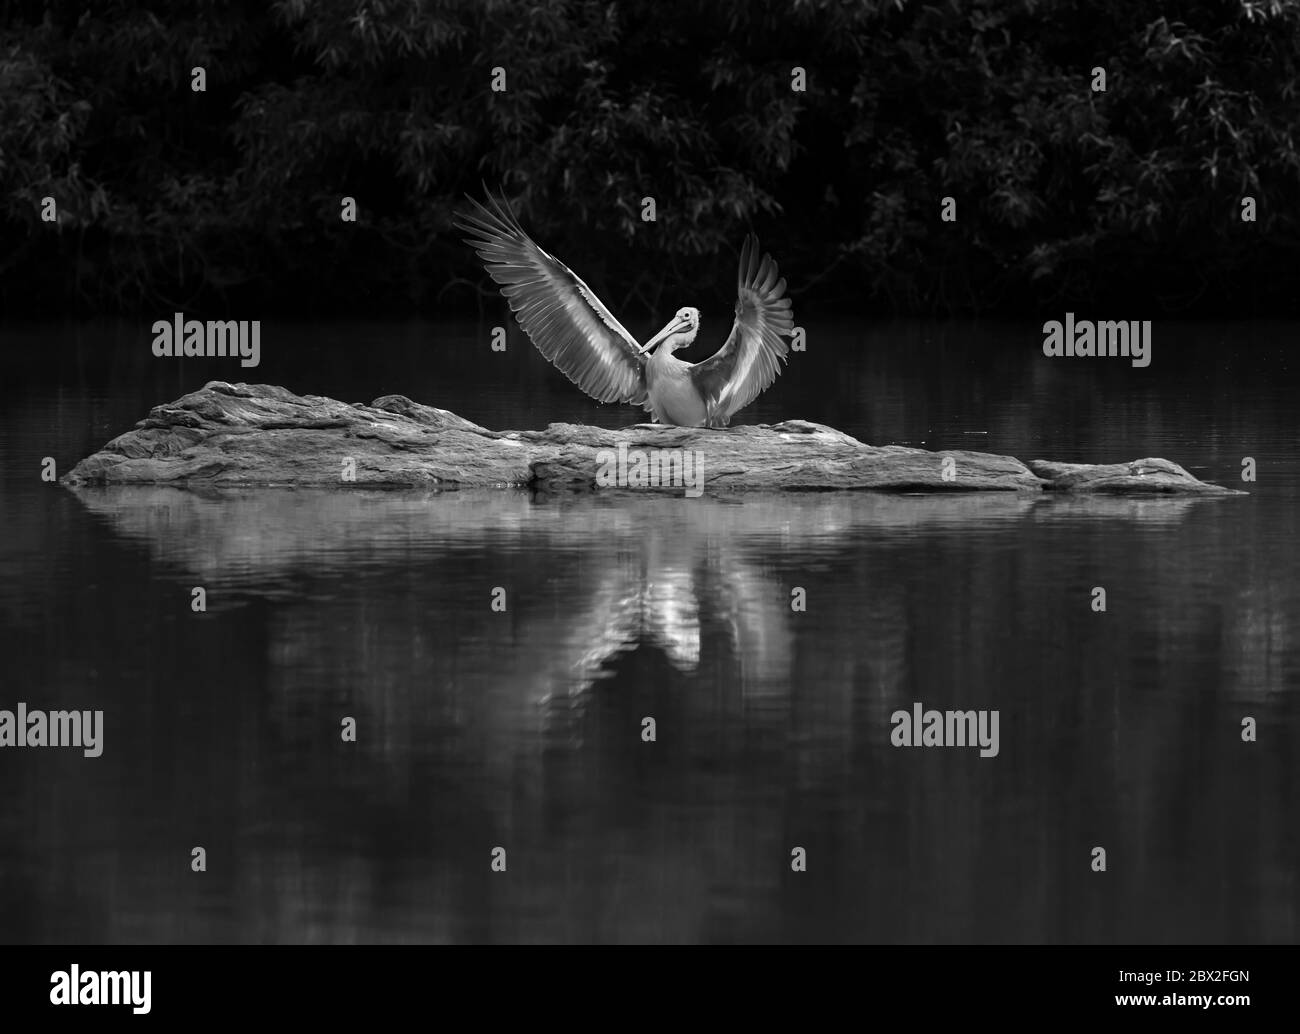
(1065, 196)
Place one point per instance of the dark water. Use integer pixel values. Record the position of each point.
(523, 729)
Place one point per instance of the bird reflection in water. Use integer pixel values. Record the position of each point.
(684, 584)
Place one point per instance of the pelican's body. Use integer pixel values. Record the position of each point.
(673, 396)
(575, 331)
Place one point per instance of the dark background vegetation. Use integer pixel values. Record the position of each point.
(1066, 197)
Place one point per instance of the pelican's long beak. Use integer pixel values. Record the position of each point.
(674, 325)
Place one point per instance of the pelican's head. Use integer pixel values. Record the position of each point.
(679, 331)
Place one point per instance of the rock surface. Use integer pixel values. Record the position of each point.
(260, 434)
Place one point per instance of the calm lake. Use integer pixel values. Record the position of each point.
(479, 729)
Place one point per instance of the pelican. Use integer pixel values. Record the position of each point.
(574, 330)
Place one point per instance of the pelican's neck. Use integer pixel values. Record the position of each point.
(672, 342)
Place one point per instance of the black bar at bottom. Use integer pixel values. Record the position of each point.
(446, 986)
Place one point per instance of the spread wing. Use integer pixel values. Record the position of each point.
(563, 317)
(748, 363)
